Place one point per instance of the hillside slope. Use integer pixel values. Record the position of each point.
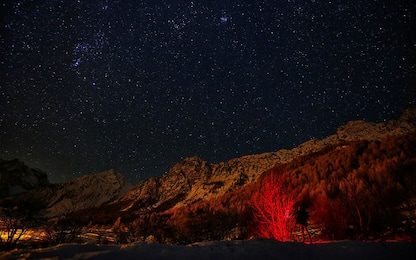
(354, 190)
(194, 179)
(88, 191)
(196, 200)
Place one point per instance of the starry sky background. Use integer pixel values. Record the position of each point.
(86, 86)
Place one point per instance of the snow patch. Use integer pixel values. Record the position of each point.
(238, 249)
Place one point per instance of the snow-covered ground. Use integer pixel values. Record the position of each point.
(239, 249)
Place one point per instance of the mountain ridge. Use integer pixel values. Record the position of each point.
(194, 179)
(16, 177)
(197, 200)
(91, 190)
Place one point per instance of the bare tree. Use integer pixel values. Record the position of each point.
(67, 227)
(16, 217)
(362, 201)
(273, 212)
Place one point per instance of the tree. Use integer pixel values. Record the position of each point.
(273, 213)
(67, 227)
(362, 201)
(331, 216)
(14, 225)
(16, 217)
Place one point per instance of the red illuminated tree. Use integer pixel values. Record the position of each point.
(273, 210)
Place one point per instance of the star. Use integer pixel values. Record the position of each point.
(138, 86)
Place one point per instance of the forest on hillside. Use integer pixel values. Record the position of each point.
(355, 190)
(361, 190)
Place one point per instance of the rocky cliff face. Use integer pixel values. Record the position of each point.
(194, 179)
(187, 182)
(171, 189)
(16, 177)
(88, 191)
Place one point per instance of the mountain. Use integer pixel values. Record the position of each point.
(88, 191)
(194, 179)
(364, 169)
(85, 192)
(16, 177)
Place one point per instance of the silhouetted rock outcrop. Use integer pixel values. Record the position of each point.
(16, 177)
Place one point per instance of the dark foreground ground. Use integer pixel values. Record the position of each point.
(239, 249)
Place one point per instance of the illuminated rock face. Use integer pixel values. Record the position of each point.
(85, 192)
(16, 177)
(194, 179)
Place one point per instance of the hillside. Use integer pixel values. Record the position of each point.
(201, 201)
(85, 192)
(358, 183)
(194, 179)
(373, 181)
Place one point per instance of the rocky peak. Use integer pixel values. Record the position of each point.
(193, 179)
(16, 177)
(192, 168)
(108, 178)
(359, 130)
(409, 115)
(88, 191)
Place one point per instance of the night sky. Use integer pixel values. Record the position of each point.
(86, 86)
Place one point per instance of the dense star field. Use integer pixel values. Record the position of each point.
(86, 86)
